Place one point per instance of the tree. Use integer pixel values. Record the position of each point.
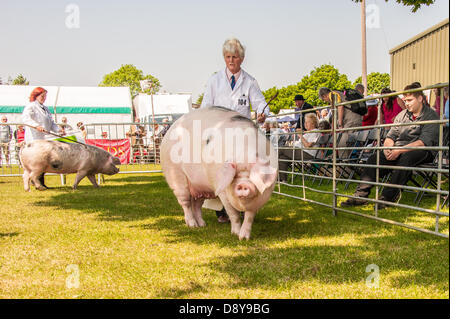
(20, 80)
(129, 75)
(200, 99)
(375, 82)
(415, 4)
(325, 75)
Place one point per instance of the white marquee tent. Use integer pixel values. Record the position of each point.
(79, 104)
(164, 105)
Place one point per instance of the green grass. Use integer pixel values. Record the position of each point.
(129, 240)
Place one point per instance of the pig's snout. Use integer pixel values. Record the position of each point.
(244, 190)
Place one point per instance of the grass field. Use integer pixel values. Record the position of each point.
(128, 239)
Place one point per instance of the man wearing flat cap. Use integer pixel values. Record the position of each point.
(301, 105)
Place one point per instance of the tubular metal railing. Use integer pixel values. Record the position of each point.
(336, 165)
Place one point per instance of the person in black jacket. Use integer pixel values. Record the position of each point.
(300, 104)
(412, 137)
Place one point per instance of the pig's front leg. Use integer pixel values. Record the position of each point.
(247, 225)
(78, 178)
(26, 180)
(233, 214)
(92, 180)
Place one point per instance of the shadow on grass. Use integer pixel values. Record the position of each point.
(140, 198)
(281, 267)
(8, 234)
(322, 253)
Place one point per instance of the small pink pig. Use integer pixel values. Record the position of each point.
(215, 152)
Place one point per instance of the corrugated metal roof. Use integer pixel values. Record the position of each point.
(420, 35)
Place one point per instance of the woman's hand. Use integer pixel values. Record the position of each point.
(40, 128)
(261, 117)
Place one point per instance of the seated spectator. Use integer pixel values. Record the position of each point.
(308, 139)
(324, 125)
(372, 113)
(276, 137)
(391, 106)
(408, 136)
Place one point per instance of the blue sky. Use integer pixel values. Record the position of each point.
(179, 42)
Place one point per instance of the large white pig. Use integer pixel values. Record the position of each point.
(43, 156)
(214, 152)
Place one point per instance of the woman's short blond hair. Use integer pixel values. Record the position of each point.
(233, 45)
(313, 118)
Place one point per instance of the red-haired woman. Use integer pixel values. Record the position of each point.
(36, 114)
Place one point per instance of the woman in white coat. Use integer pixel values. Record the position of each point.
(232, 87)
(36, 114)
(235, 89)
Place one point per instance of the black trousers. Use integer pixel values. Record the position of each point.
(399, 177)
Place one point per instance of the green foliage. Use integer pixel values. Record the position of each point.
(325, 75)
(415, 4)
(20, 80)
(129, 75)
(200, 99)
(375, 82)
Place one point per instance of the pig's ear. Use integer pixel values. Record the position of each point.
(116, 161)
(225, 176)
(262, 175)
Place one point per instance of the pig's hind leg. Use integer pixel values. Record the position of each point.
(34, 176)
(197, 211)
(26, 180)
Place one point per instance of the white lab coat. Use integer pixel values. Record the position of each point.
(36, 114)
(219, 93)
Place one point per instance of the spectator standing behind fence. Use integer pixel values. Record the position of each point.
(360, 88)
(64, 124)
(446, 111)
(301, 105)
(437, 103)
(166, 127)
(82, 129)
(19, 136)
(346, 118)
(234, 89)
(407, 136)
(137, 133)
(5, 139)
(37, 115)
(306, 140)
(372, 112)
(391, 106)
